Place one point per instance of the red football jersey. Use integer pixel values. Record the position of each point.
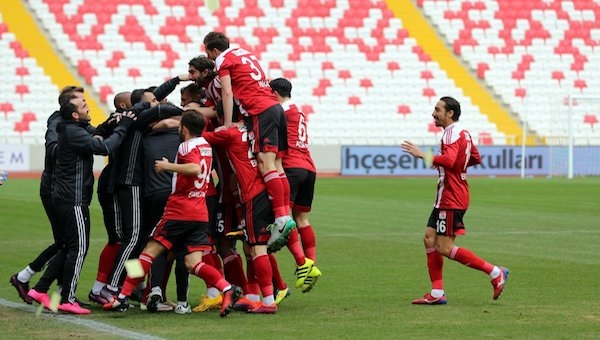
(457, 153)
(248, 80)
(213, 92)
(187, 201)
(241, 158)
(298, 155)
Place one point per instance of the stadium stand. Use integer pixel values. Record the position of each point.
(356, 70)
(27, 94)
(528, 52)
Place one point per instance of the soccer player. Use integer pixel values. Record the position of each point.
(243, 78)
(256, 213)
(301, 173)
(452, 201)
(201, 70)
(185, 220)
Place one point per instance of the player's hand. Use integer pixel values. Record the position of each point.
(412, 149)
(129, 114)
(161, 165)
(184, 77)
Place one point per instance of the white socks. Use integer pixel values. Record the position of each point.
(437, 293)
(495, 272)
(25, 274)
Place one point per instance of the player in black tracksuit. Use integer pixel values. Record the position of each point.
(21, 279)
(73, 186)
(112, 220)
(128, 183)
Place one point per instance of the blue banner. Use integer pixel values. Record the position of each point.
(495, 161)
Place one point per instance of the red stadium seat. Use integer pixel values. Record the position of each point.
(6, 108)
(590, 119)
(426, 75)
(558, 76)
(105, 91)
(86, 70)
(520, 93)
(21, 127)
(21, 90)
(404, 110)
(354, 101)
(366, 83)
(393, 66)
(344, 75)
(28, 117)
(580, 84)
(429, 93)
(481, 69)
(485, 138)
(22, 71)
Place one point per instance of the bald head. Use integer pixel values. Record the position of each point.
(122, 101)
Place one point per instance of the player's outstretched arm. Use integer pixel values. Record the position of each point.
(188, 169)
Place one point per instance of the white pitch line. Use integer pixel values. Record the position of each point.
(82, 321)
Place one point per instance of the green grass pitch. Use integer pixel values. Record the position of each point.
(369, 248)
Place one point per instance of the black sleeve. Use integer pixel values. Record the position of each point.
(154, 114)
(51, 133)
(107, 127)
(166, 88)
(84, 142)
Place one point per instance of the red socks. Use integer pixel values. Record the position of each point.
(275, 190)
(210, 275)
(286, 189)
(106, 261)
(234, 270)
(278, 281)
(307, 235)
(264, 274)
(253, 287)
(468, 258)
(130, 283)
(435, 263)
(295, 248)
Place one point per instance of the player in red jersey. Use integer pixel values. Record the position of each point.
(452, 201)
(301, 174)
(256, 215)
(185, 220)
(243, 78)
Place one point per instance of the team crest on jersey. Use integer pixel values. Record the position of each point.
(442, 215)
(206, 151)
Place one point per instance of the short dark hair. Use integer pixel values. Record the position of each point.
(454, 105)
(194, 90)
(281, 86)
(193, 121)
(137, 95)
(67, 109)
(67, 93)
(216, 40)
